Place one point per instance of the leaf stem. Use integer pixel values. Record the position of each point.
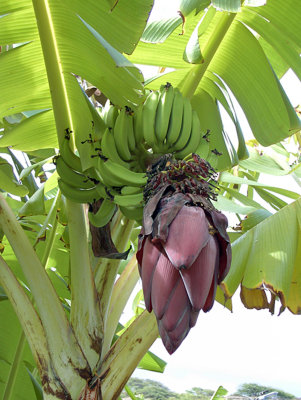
(197, 72)
(120, 295)
(32, 328)
(56, 79)
(52, 215)
(86, 318)
(64, 349)
(107, 271)
(126, 354)
(14, 368)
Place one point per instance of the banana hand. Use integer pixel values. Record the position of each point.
(135, 213)
(72, 177)
(113, 174)
(129, 200)
(80, 195)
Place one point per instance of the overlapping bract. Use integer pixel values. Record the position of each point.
(184, 252)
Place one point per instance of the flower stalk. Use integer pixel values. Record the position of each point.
(86, 318)
(197, 72)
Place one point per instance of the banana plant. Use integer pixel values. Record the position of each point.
(64, 284)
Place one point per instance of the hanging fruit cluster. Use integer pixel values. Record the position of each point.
(133, 139)
(146, 164)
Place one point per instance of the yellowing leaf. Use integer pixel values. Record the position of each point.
(268, 257)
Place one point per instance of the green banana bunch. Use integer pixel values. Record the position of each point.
(164, 123)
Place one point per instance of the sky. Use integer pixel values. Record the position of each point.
(243, 346)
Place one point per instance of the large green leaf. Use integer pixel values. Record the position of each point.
(227, 5)
(169, 53)
(89, 39)
(238, 61)
(261, 100)
(36, 132)
(268, 257)
(158, 31)
(229, 178)
(188, 6)
(263, 163)
(284, 15)
(281, 42)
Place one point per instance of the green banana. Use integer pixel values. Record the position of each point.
(113, 174)
(203, 149)
(176, 117)
(163, 112)
(79, 195)
(120, 130)
(149, 118)
(131, 190)
(103, 214)
(68, 155)
(138, 126)
(72, 177)
(108, 148)
(185, 127)
(194, 140)
(129, 200)
(109, 114)
(135, 213)
(130, 129)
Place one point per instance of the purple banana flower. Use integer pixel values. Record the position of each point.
(184, 250)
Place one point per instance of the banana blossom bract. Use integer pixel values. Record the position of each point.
(183, 253)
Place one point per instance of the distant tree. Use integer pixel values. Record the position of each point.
(197, 391)
(155, 390)
(151, 389)
(253, 390)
